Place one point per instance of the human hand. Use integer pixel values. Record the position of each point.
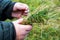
(21, 30)
(20, 9)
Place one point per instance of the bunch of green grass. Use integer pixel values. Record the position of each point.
(48, 31)
(40, 15)
(47, 19)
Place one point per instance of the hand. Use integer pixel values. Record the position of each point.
(21, 30)
(20, 9)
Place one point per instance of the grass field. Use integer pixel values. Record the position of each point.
(50, 30)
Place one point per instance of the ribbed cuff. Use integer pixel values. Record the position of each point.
(10, 10)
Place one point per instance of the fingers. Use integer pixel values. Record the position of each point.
(24, 8)
(19, 21)
(26, 27)
(16, 15)
(21, 7)
(25, 12)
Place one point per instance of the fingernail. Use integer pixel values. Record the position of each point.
(27, 11)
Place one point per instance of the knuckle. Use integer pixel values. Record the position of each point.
(29, 27)
(26, 5)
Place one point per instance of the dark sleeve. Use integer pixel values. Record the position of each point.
(6, 8)
(7, 31)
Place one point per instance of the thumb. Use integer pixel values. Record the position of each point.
(19, 21)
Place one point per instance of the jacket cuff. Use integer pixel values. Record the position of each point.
(8, 31)
(10, 9)
(14, 31)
